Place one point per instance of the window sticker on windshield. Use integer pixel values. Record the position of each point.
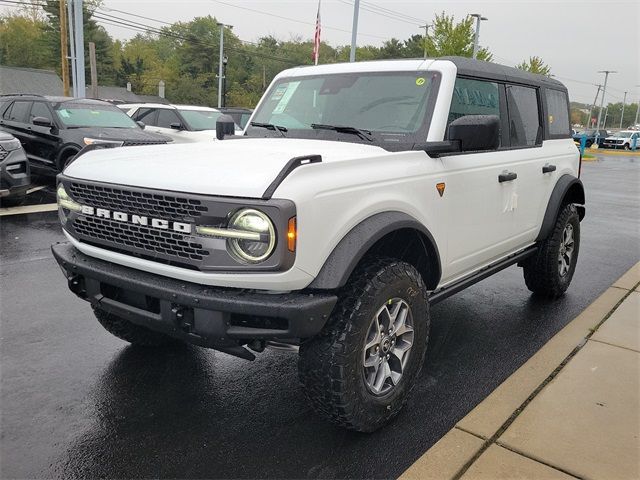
(277, 95)
(282, 104)
(420, 81)
(95, 112)
(63, 113)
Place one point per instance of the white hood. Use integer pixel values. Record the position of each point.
(238, 168)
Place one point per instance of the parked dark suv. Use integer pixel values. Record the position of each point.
(592, 136)
(15, 175)
(53, 130)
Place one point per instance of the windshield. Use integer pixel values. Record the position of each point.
(200, 119)
(587, 132)
(623, 134)
(392, 106)
(77, 115)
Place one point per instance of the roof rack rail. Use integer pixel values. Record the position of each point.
(21, 95)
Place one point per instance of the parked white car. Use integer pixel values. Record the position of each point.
(625, 139)
(183, 123)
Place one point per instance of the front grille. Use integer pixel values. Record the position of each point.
(148, 240)
(3, 153)
(138, 143)
(169, 207)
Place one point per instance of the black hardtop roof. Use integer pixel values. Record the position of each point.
(494, 71)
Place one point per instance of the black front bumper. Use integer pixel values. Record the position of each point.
(207, 316)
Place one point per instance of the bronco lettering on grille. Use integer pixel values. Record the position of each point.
(137, 219)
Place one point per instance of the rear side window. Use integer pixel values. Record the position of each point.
(19, 112)
(558, 113)
(146, 115)
(524, 116)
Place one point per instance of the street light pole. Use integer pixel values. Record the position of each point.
(622, 114)
(604, 92)
(635, 122)
(354, 30)
(221, 62)
(426, 34)
(78, 25)
(476, 38)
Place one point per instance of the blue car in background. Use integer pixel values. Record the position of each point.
(591, 135)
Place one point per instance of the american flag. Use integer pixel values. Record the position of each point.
(316, 38)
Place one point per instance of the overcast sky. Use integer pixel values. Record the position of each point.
(575, 37)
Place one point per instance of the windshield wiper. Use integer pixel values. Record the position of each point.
(364, 134)
(270, 126)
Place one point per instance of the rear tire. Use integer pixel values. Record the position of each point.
(359, 371)
(549, 272)
(130, 332)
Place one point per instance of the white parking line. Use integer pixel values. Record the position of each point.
(47, 207)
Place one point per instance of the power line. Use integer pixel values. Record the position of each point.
(262, 12)
(387, 15)
(394, 12)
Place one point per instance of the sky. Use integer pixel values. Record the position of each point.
(567, 34)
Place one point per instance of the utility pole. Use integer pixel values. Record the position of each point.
(225, 60)
(94, 70)
(64, 60)
(426, 35)
(604, 92)
(354, 30)
(221, 62)
(635, 122)
(476, 38)
(72, 47)
(78, 23)
(593, 105)
(622, 114)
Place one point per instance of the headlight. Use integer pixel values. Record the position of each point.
(64, 201)
(11, 145)
(251, 237)
(102, 141)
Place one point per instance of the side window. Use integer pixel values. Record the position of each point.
(558, 113)
(7, 113)
(166, 117)
(146, 115)
(474, 97)
(524, 116)
(39, 109)
(19, 112)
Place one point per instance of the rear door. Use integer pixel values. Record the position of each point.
(15, 121)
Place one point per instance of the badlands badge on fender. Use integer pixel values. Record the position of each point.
(440, 187)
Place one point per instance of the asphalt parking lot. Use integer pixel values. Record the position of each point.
(77, 402)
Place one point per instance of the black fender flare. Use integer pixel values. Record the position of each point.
(354, 245)
(568, 189)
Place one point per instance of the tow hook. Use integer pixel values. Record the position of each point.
(183, 317)
(76, 285)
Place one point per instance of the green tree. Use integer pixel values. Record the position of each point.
(450, 38)
(22, 42)
(535, 65)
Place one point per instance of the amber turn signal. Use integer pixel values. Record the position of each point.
(292, 234)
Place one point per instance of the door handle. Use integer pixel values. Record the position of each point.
(507, 176)
(548, 168)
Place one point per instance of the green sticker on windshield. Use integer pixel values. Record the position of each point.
(95, 112)
(64, 113)
(420, 81)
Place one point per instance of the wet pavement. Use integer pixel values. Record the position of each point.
(77, 402)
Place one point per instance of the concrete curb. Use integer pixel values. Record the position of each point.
(475, 437)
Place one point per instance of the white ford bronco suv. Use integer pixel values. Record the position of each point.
(358, 195)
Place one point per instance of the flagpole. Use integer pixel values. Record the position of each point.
(316, 37)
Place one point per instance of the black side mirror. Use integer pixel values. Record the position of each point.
(41, 121)
(476, 132)
(176, 126)
(225, 126)
(141, 124)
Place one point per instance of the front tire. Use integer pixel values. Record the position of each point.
(130, 332)
(359, 371)
(549, 272)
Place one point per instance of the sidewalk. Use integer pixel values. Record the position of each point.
(571, 411)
